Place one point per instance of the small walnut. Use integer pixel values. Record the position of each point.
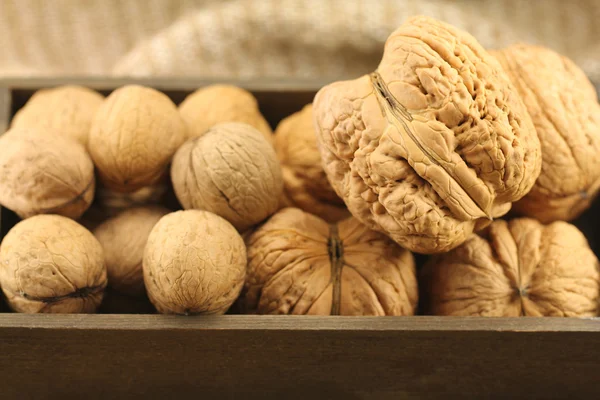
(564, 108)
(299, 264)
(194, 263)
(65, 110)
(231, 171)
(516, 268)
(44, 174)
(51, 264)
(215, 104)
(113, 202)
(433, 144)
(305, 183)
(123, 239)
(134, 135)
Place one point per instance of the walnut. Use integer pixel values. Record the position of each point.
(194, 263)
(515, 268)
(231, 171)
(51, 264)
(305, 183)
(123, 239)
(134, 135)
(431, 145)
(44, 174)
(564, 108)
(215, 104)
(299, 264)
(65, 110)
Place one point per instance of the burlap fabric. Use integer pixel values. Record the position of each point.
(264, 38)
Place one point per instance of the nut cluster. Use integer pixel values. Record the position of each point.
(479, 160)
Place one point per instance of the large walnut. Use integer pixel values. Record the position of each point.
(51, 264)
(194, 263)
(299, 264)
(65, 110)
(516, 268)
(123, 239)
(134, 135)
(44, 174)
(305, 183)
(564, 108)
(431, 145)
(231, 171)
(215, 104)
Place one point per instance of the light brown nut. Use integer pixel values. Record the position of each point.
(431, 144)
(564, 108)
(44, 174)
(516, 268)
(134, 135)
(123, 239)
(305, 183)
(65, 110)
(231, 171)
(51, 264)
(215, 104)
(194, 263)
(299, 264)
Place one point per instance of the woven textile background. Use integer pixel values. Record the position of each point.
(264, 38)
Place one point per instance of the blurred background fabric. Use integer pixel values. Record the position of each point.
(300, 39)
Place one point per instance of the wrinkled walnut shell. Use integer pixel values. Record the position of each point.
(123, 239)
(134, 135)
(44, 174)
(515, 268)
(564, 108)
(431, 145)
(216, 104)
(65, 110)
(194, 263)
(299, 264)
(231, 171)
(305, 183)
(51, 264)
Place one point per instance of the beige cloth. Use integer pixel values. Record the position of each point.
(265, 38)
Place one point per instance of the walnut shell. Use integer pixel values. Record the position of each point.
(564, 108)
(194, 263)
(51, 264)
(305, 183)
(516, 268)
(432, 144)
(215, 104)
(134, 135)
(299, 264)
(123, 239)
(231, 171)
(44, 174)
(64, 110)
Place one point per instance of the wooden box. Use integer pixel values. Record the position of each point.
(263, 357)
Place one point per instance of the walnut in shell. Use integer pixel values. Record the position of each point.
(215, 104)
(123, 239)
(516, 268)
(51, 264)
(305, 183)
(134, 135)
(299, 264)
(64, 110)
(231, 171)
(44, 174)
(194, 263)
(431, 145)
(564, 108)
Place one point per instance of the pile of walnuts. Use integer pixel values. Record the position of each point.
(477, 159)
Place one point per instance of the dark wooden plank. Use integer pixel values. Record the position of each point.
(277, 357)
